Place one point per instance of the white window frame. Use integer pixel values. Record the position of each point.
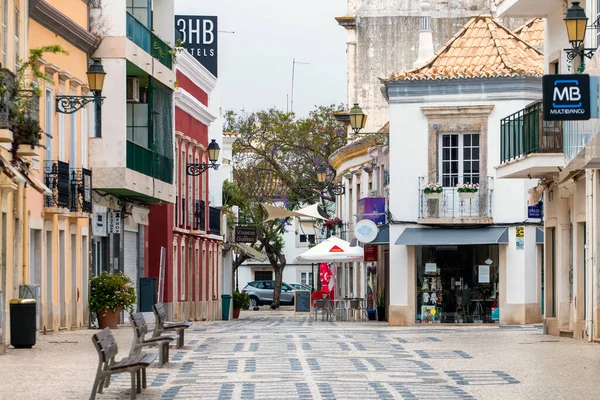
(183, 273)
(4, 31)
(73, 140)
(17, 23)
(49, 122)
(461, 148)
(306, 278)
(61, 137)
(84, 138)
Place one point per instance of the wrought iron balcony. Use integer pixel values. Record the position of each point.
(525, 132)
(200, 215)
(214, 221)
(81, 190)
(7, 87)
(450, 205)
(56, 176)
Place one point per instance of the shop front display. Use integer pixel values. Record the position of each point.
(457, 284)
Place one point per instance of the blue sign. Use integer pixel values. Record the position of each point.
(536, 211)
(198, 36)
(566, 97)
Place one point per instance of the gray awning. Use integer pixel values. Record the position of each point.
(440, 237)
(383, 236)
(539, 236)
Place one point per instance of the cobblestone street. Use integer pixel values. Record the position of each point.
(266, 355)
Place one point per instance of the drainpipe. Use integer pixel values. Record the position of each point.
(25, 224)
(589, 261)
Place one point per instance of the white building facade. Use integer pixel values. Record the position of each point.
(462, 257)
(565, 161)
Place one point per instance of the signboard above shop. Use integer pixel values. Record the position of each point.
(372, 208)
(198, 36)
(245, 234)
(566, 97)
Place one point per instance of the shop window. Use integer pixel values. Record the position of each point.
(459, 159)
(457, 284)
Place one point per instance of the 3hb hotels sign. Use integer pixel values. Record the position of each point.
(198, 36)
(566, 97)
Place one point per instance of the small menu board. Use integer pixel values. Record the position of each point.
(302, 303)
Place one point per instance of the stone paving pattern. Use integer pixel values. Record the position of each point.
(266, 355)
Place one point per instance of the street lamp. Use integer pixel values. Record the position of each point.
(71, 104)
(337, 190)
(213, 156)
(358, 119)
(576, 24)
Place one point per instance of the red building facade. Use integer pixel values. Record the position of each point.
(193, 270)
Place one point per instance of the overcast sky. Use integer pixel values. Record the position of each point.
(255, 62)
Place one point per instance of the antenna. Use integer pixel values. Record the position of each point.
(294, 62)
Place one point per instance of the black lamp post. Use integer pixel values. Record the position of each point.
(213, 156)
(337, 190)
(358, 120)
(576, 24)
(71, 104)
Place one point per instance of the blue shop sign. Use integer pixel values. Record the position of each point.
(536, 211)
(566, 97)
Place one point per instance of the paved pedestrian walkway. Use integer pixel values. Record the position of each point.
(266, 355)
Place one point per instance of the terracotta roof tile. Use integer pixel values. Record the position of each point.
(532, 32)
(483, 48)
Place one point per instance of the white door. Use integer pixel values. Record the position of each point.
(131, 259)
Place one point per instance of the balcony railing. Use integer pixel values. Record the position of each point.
(200, 215)
(81, 190)
(526, 132)
(450, 204)
(58, 181)
(149, 163)
(7, 87)
(214, 221)
(139, 34)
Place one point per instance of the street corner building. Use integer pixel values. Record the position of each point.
(462, 248)
(190, 229)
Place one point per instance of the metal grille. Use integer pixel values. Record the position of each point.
(450, 203)
(81, 190)
(58, 181)
(526, 132)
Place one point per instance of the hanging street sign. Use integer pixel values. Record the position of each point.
(566, 97)
(536, 211)
(245, 234)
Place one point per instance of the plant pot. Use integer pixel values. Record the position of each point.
(431, 196)
(108, 318)
(236, 313)
(467, 195)
(371, 314)
(380, 313)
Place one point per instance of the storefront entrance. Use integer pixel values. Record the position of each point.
(457, 284)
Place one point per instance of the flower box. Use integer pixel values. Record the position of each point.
(468, 195)
(431, 196)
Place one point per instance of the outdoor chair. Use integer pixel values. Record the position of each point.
(140, 330)
(323, 305)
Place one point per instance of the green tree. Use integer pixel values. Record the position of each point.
(276, 157)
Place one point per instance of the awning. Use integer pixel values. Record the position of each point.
(11, 171)
(274, 212)
(383, 237)
(251, 251)
(455, 237)
(38, 184)
(539, 236)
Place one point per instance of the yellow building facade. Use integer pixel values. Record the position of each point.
(52, 206)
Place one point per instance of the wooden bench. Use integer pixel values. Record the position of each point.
(161, 326)
(107, 350)
(140, 329)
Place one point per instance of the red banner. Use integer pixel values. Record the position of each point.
(370, 253)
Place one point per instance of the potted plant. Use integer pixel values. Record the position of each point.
(381, 307)
(109, 295)
(467, 191)
(433, 191)
(241, 301)
(332, 224)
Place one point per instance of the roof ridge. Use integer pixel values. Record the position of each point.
(525, 25)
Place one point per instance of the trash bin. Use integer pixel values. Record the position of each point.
(22, 323)
(226, 298)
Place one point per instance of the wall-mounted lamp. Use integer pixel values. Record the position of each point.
(213, 156)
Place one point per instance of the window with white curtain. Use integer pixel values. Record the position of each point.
(4, 30)
(73, 140)
(459, 158)
(17, 40)
(49, 123)
(61, 137)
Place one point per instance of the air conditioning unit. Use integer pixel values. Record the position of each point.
(133, 90)
(372, 193)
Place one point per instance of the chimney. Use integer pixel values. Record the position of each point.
(425, 35)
